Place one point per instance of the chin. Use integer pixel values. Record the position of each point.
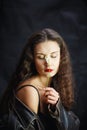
(50, 75)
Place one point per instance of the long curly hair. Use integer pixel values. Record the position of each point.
(62, 81)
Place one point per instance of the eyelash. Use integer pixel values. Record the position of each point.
(53, 56)
(44, 57)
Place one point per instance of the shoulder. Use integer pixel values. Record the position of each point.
(28, 94)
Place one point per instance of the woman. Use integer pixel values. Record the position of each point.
(40, 94)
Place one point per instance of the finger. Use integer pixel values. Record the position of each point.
(52, 97)
(51, 100)
(52, 93)
(51, 90)
(48, 88)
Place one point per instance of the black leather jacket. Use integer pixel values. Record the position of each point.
(21, 118)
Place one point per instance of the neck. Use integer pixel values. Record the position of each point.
(45, 81)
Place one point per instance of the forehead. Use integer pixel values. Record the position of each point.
(47, 47)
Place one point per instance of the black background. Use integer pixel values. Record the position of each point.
(20, 18)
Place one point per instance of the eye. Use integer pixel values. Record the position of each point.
(40, 56)
(54, 55)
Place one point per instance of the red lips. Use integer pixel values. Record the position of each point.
(48, 70)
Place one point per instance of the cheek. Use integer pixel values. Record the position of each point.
(57, 63)
(38, 65)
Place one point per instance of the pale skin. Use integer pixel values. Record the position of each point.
(47, 60)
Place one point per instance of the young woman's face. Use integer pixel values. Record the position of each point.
(47, 58)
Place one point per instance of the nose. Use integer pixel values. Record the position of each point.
(47, 60)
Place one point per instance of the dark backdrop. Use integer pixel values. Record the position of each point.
(20, 18)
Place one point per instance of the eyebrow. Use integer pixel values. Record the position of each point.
(44, 54)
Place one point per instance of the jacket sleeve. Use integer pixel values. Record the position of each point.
(15, 123)
(65, 120)
(12, 122)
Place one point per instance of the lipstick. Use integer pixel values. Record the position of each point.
(48, 70)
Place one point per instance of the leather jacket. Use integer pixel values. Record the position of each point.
(22, 118)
